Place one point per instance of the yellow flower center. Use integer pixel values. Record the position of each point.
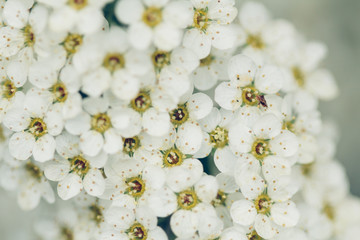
(137, 232)
(220, 199)
(299, 76)
(254, 236)
(289, 125)
(172, 157)
(187, 199)
(67, 233)
(255, 41)
(206, 61)
(29, 36)
(130, 145)
(263, 204)
(260, 149)
(72, 43)
(78, 4)
(179, 115)
(141, 102)
(97, 213)
(160, 59)
(37, 127)
(34, 171)
(60, 92)
(8, 89)
(79, 165)
(152, 16)
(329, 211)
(2, 136)
(114, 61)
(136, 187)
(219, 137)
(307, 169)
(200, 19)
(100, 122)
(249, 96)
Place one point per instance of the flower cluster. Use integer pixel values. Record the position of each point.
(163, 119)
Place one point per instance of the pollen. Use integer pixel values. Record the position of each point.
(172, 157)
(152, 16)
(72, 43)
(141, 102)
(200, 19)
(100, 122)
(187, 199)
(219, 137)
(8, 89)
(114, 61)
(37, 127)
(78, 4)
(179, 115)
(260, 149)
(60, 92)
(160, 59)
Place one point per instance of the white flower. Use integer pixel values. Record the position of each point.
(303, 72)
(127, 224)
(96, 127)
(267, 210)
(266, 142)
(210, 26)
(153, 122)
(194, 209)
(80, 16)
(248, 84)
(74, 170)
(266, 40)
(323, 182)
(314, 222)
(212, 68)
(105, 61)
(216, 125)
(27, 178)
(62, 89)
(159, 22)
(34, 127)
(11, 82)
(129, 180)
(25, 31)
(234, 233)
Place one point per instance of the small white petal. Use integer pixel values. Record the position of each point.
(285, 214)
(44, 148)
(197, 41)
(70, 186)
(267, 126)
(120, 216)
(156, 123)
(243, 212)
(199, 105)
(269, 79)
(285, 144)
(184, 223)
(56, 170)
(91, 142)
(21, 145)
(263, 226)
(94, 183)
(189, 137)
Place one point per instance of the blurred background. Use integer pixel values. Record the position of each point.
(331, 21)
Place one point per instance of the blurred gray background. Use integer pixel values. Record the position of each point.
(331, 21)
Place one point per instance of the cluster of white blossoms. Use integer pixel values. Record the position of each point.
(168, 119)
